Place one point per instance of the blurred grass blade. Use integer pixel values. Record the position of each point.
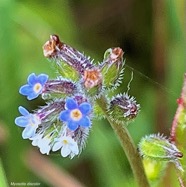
(3, 181)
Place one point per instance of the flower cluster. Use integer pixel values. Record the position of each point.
(64, 123)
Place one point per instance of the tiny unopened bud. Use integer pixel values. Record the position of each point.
(51, 47)
(123, 108)
(157, 147)
(113, 55)
(92, 78)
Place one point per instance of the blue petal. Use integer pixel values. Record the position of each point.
(85, 108)
(64, 115)
(71, 103)
(72, 125)
(26, 89)
(84, 122)
(23, 111)
(42, 78)
(32, 96)
(32, 79)
(21, 121)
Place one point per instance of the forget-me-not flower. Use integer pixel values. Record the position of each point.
(76, 115)
(67, 145)
(34, 87)
(29, 121)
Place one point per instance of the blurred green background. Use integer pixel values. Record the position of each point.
(152, 35)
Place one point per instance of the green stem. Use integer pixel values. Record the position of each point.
(128, 147)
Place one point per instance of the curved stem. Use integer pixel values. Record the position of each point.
(128, 147)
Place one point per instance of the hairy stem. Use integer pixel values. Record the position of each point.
(128, 147)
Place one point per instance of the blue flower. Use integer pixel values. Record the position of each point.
(29, 121)
(34, 87)
(76, 115)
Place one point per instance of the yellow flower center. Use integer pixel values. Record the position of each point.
(76, 114)
(37, 87)
(65, 142)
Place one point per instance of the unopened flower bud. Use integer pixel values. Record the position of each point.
(112, 67)
(123, 108)
(92, 78)
(71, 63)
(59, 88)
(51, 47)
(92, 81)
(157, 147)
